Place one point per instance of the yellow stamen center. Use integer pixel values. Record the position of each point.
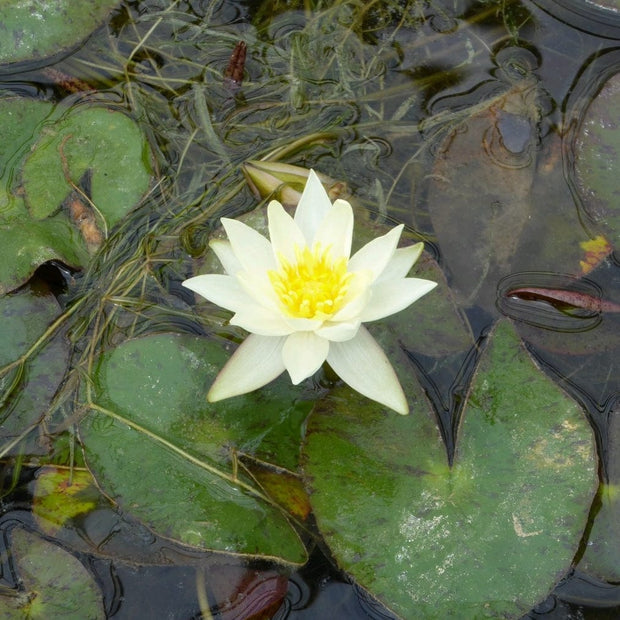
(314, 286)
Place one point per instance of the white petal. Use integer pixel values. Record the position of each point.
(356, 298)
(376, 254)
(257, 319)
(303, 325)
(257, 285)
(303, 354)
(402, 261)
(336, 229)
(283, 232)
(362, 364)
(338, 332)
(391, 296)
(252, 250)
(256, 362)
(223, 250)
(353, 310)
(219, 289)
(312, 208)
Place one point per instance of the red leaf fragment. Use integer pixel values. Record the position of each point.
(233, 76)
(258, 595)
(565, 297)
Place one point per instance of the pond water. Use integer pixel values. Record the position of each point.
(491, 129)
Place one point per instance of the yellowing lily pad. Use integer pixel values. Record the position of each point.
(54, 584)
(31, 29)
(167, 457)
(61, 494)
(489, 536)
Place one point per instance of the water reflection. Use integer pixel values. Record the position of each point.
(597, 17)
(499, 93)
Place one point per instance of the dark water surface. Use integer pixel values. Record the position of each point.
(377, 119)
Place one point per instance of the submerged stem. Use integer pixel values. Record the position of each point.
(232, 478)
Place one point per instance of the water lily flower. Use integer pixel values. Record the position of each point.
(285, 182)
(282, 181)
(303, 297)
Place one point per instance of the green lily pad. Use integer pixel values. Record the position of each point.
(27, 389)
(597, 148)
(167, 444)
(489, 536)
(54, 583)
(47, 151)
(27, 245)
(88, 138)
(21, 120)
(31, 29)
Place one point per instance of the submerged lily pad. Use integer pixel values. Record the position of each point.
(597, 149)
(473, 213)
(31, 29)
(167, 456)
(27, 389)
(55, 584)
(489, 536)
